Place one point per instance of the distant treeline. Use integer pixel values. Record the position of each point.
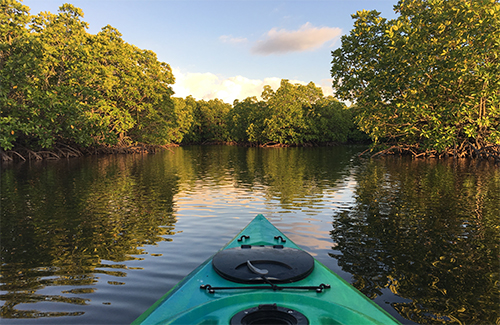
(294, 114)
(62, 86)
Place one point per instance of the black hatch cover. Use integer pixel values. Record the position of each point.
(251, 264)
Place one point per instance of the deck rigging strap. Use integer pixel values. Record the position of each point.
(272, 286)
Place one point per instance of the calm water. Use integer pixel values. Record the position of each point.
(99, 239)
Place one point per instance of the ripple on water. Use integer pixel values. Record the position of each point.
(99, 241)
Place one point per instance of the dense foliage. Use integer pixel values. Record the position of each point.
(60, 83)
(428, 80)
(209, 121)
(293, 114)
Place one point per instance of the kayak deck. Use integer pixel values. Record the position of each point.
(205, 297)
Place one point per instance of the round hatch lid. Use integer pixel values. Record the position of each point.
(251, 264)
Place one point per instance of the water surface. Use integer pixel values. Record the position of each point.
(99, 239)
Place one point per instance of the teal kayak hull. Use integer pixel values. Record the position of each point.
(189, 303)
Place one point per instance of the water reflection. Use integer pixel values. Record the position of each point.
(62, 222)
(428, 231)
(70, 228)
(103, 238)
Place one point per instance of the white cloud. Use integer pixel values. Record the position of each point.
(306, 38)
(232, 40)
(326, 86)
(210, 86)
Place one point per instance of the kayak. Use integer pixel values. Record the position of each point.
(262, 277)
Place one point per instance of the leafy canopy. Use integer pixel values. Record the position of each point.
(428, 80)
(59, 83)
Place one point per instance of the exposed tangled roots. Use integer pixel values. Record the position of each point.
(27, 154)
(465, 150)
(66, 151)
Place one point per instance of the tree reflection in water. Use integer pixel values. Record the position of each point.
(103, 238)
(428, 231)
(66, 230)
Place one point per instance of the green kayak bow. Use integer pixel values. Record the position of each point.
(262, 277)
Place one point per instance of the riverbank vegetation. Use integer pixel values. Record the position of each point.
(65, 92)
(61, 86)
(426, 83)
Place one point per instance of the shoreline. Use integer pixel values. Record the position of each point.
(61, 151)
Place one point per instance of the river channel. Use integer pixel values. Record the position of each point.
(97, 240)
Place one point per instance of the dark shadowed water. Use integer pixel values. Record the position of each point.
(97, 240)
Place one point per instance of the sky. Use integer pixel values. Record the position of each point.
(230, 49)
